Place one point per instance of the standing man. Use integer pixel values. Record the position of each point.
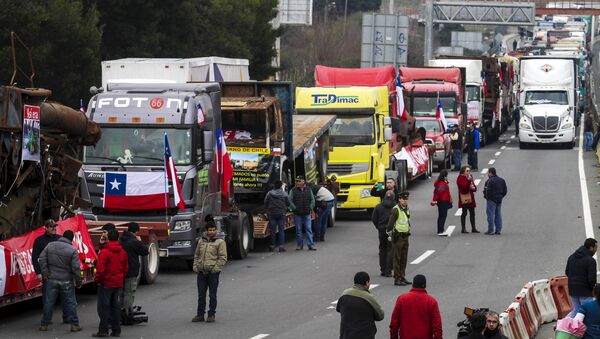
(380, 217)
(324, 201)
(38, 246)
(472, 143)
(359, 310)
(302, 202)
(581, 271)
(209, 260)
(135, 248)
(61, 273)
(416, 314)
(588, 130)
(277, 203)
(515, 43)
(390, 185)
(456, 142)
(516, 119)
(111, 268)
(399, 226)
(104, 235)
(478, 325)
(494, 191)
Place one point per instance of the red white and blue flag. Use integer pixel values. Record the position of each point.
(223, 163)
(400, 99)
(172, 175)
(439, 114)
(201, 115)
(135, 191)
(81, 107)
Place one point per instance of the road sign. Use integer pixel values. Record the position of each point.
(384, 40)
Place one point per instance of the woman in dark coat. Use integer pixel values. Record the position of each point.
(466, 186)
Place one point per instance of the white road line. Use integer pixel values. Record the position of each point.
(503, 147)
(458, 212)
(512, 136)
(334, 302)
(497, 154)
(331, 307)
(484, 171)
(422, 257)
(507, 141)
(587, 215)
(491, 162)
(373, 286)
(260, 336)
(476, 182)
(449, 230)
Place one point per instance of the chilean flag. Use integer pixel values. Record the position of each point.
(400, 99)
(223, 163)
(81, 107)
(172, 175)
(439, 113)
(137, 191)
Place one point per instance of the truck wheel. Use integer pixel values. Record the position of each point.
(402, 175)
(429, 169)
(483, 136)
(241, 238)
(523, 145)
(151, 262)
(331, 219)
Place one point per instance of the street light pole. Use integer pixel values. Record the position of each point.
(428, 44)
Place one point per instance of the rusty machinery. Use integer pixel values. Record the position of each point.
(31, 192)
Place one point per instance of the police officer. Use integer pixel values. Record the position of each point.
(399, 228)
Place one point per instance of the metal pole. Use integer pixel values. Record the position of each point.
(345, 14)
(428, 45)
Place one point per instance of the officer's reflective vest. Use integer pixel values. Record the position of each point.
(402, 225)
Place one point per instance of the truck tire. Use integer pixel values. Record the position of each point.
(151, 262)
(483, 136)
(240, 240)
(429, 170)
(331, 219)
(523, 145)
(402, 175)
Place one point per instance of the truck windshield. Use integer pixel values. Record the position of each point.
(428, 125)
(352, 130)
(426, 106)
(139, 146)
(472, 94)
(546, 97)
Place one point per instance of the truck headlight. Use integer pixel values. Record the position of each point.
(182, 226)
(567, 126)
(525, 126)
(365, 193)
(439, 145)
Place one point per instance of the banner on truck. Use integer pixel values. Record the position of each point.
(416, 157)
(31, 133)
(252, 166)
(16, 267)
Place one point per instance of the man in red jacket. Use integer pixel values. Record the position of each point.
(110, 276)
(416, 314)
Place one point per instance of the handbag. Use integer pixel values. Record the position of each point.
(465, 198)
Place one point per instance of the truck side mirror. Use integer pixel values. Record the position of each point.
(395, 125)
(208, 146)
(387, 133)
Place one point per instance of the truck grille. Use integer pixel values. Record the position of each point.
(345, 168)
(545, 124)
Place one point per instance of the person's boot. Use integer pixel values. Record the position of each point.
(44, 328)
(399, 282)
(198, 319)
(75, 328)
(210, 319)
(464, 230)
(474, 230)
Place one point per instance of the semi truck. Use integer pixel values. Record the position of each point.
(548, 101)
(368, 141)
(268, 143)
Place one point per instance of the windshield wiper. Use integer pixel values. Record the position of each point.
(147, 158)
(114, 161)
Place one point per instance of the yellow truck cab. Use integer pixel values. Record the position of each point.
(359, 152)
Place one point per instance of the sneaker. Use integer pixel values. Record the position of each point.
(489, 233)
(442, 234)
(210, 319)
(298, 248)
(475, 231)
(464, 231)
(198, 319)
(406, 281)
(497, 233)
(100, 335)
(281, 249)
(312, 248)
(399, 282)
(44, 328)
(75, 328)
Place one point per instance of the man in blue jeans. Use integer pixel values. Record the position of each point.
(61, 272)
(277, 203)
(581, 271)
(588, 130)
(302, 202)
(324, 201)
(494, 191)
(456, 144)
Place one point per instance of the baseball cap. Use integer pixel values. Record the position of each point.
(300, 177)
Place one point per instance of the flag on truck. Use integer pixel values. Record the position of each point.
(135, 191)
(223, 163)
(484, 83)
(400, 99)
(171, 174)
(201, 115)
(439, 114)
(81, 107)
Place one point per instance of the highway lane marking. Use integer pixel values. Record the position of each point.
(512, 136)
(587, 215)
(503, 147)
(507, 142)
(422, 257)
(260, 336)
(458, 212)
(449, 231)
(371, 287)
(335, 301)
(477, 181)
(497, 154)
(491, 162)
(484, 171)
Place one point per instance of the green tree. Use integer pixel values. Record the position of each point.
(65, 42)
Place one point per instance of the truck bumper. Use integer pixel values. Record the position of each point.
(439, 156)
(351, 198)
(561, 136)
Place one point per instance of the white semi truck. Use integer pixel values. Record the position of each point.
(547, 101)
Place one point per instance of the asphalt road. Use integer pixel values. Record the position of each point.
(290, 295)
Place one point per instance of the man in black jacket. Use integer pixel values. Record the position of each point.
(302, 202)
(380, 217)
(277, 204)
(494, 191)
(359, 310)
(390, 184)
(581, 271)
(133, 245)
